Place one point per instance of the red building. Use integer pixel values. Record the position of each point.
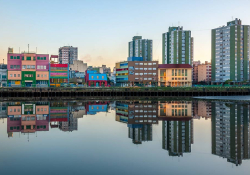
(94, 79)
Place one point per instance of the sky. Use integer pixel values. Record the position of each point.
(101, 29)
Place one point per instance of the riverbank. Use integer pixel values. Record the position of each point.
(125, 92)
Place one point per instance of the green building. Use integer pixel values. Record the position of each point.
(177, 46)
(139, 47)
(177, 137)
(230, 53)
(230, 131)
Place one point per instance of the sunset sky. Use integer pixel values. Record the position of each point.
(102, 29)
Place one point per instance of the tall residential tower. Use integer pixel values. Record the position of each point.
(230, 52)
(68, 54)
(140, 48)
(177, 46)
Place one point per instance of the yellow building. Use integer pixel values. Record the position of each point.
(175, 110)
(175, 75)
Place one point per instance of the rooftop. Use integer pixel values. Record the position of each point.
(174, 66)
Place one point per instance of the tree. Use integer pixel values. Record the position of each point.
(228, 81)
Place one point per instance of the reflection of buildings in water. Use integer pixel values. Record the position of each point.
(121, 112)
(112, 105)
(201, 109)
(61, 116)
(139, 115)
(204, 109)
(78, 111)
(177, 137)
(177, 126)
(230, 131)
(175, 110)
(140, 133)
(93, 107)
(3, 110)
(139, 112)
(27, 117)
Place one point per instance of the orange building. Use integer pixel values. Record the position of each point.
(175, 75)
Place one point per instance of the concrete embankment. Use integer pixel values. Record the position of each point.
(121, 92)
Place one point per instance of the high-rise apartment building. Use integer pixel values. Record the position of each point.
(141, 48)
(230, 52)
(230, 131)
(177, 46)
(68, 54)
(176, 137)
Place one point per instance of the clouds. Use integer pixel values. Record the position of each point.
(88, 58)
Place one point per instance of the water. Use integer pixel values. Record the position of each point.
(125, 137)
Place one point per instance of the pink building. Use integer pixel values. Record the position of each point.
(27, 118)
(27, 69)
(204, 72)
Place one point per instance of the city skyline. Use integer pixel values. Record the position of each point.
(101, 32)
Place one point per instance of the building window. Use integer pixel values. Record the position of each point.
(92, 77)
(10, 75)
(185, 72)
(172, 72)
(14, 75)
(38, 75)
(18, 57)
(11, 57)
(102, 77)
(97, 77)
(182, 72)
(11, 66)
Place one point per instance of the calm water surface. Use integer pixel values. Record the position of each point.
(124, 137)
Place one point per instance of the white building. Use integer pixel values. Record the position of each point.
(3, 75)
(68, 54)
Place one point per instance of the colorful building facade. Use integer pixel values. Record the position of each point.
(95, 79)
(136, 73)
(27, 117)
(175, 75)
(28, 70)
(59, 73)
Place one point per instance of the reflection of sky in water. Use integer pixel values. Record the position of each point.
(103, 145)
